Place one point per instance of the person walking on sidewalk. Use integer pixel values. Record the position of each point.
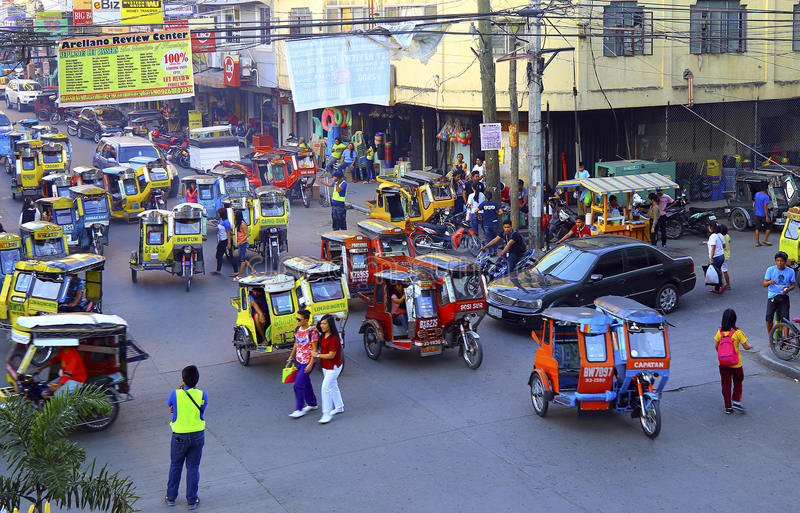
(723, 230)
(305, 347)
(716, 253)
(779, 281)
(338, 198)
(761, 202)
(188, 406)
(664, 202)
(654, 212)
(330, 356)
(224, 241)
(730, 339)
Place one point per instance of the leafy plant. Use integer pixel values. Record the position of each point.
(45, 466)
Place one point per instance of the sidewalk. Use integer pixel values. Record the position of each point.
(790, 369)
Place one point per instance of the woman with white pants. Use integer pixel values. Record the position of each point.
(330, 355)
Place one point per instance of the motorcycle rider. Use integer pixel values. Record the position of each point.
(514, 245)
(580, 230)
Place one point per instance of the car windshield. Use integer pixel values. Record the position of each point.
(468, 287)
(647, 343)
(51, 158)
(109, 114)
(566, 263)
(187, 226)
(30, 86)
(46, 289)
(48, 247)
(7, 260)
(95, 206)
(328, 290)
(126, 153)
(395, 246)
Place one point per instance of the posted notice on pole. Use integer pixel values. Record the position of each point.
(125, 68)
(491, 136)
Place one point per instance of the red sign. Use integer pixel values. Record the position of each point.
(231, 68)
(204, 42)
(82, 17)
(176, 24)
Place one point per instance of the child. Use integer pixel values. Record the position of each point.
(730, 334)
(723, 230)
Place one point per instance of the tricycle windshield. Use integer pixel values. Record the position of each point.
(647, 343)
(565, 263)
(130, 186)
(187, 226)
(46, 289)
(595, 347)
(328, 290)
(142, 182)
(468, 287)
(95, 206)
(63, 216)
(48, 247)
(51, 158)
(306, 162)
(63, 192)
(235, 185)
(282, 303)
(791, 230)
(28, 164)
(272, 209)
(780, 197)
(278, 172)
(425, 304)
(441, 191)
(395, 246)
(358, 261)
(7, 260)
(23, 283)
(206, 192)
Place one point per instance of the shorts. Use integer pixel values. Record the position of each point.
(724, 267)
(781, 307)
(243, 251)
(761, 223)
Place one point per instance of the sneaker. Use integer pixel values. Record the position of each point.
(168, 501)
(728, 411)
(307, 409)
(325, 419)
(739, 407)
(194, 504)
(297, 413)
(337, 411)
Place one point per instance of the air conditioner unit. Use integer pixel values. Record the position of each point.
(245, 66)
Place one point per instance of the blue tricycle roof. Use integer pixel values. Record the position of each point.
(628, 309)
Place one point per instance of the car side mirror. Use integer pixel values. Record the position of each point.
(596, 277)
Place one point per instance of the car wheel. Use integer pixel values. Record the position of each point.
(739, 220)
(667, 298)
(19, 105)
(97, 137)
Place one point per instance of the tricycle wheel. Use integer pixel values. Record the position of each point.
(102, 422)
(651, 420)
(540, 405)
(471, 351)
(422, 243)
(133, 275)
(738, 220)
(42, 115)
(55, 117)
(240, 344)
(306, 197)
(674, 227)
(473, 245)
(42, 356)
(188, 283)
(372, 345)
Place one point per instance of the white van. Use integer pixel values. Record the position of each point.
(21, 93)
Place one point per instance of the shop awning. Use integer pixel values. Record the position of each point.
(210, 78)
(619, 184)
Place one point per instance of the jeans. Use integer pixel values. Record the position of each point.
(344, 165)
(458, 205)
(222, 250)
(303, 390)
(718, 260)
(661, 227)
(68, 386)
(185, 447)
(331, 397)
(330, 163)
(401, 319)
(475, 223)
(339, 216)
(512, 259)
(728, 376)
(490, 229)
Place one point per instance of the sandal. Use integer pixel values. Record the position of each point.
(767, 243)
(236, 278)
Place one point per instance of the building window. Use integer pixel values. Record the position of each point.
(404, 11)
(717, 26)
(503, 39)
(263, 18)
(627, 30)
(796, 28)
(343, 15)
(302, 16)
(231, 20)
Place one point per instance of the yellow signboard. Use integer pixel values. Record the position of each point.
(195, 119)
(142, 12)
(125, 68)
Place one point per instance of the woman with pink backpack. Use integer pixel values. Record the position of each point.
(728, 339)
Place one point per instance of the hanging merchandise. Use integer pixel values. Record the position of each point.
(387, 153)
(317, 126)
(328, 119)
(347, 118)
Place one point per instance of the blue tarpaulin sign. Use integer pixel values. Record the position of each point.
(332, 71)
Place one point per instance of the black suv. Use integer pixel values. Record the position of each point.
(94, 122)
(581, 270)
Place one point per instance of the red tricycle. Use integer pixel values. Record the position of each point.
(291, 167)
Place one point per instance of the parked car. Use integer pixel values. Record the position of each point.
(95, 122)
(579, 271)
(22, 93)
(3, 83)
(119, 150)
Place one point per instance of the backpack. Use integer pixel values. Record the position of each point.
(726, 350)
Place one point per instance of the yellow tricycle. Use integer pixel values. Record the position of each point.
(42, 240)
(128, 195)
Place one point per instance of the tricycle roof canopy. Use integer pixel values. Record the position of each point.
(154, 216)
(342, 235)
(621, 184)
(60, 330)
(447, 262)
(310, 265)
(271, 282)
(68, 264)
(373, 227)
(200, 179)
(86, 190)
(628, 309)
(579, 315)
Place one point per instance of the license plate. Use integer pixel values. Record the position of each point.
(430, 350)
(495, 312)
(712, 218)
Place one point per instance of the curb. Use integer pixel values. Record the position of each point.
(769, 360)
(363, 210)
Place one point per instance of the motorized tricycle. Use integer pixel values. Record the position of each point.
(292, 169)
(89, 176)
(14, 137)
(62, 212)
(45, 105)
(61, 139)
(273, 221)
(27, 180)
(427, 334)
(431, 190)
(103, 343)
(153, 173)
(781, 187)
(350, 251)
(389, 245)
(253, 177)
(10, 252)
(57, 185)
(207, 192)
(172, 242)
(249, 209)
(93, 206)
(231, 182)
(397, 205)
(53, 158)
(43, 240)
(611, 357)
(128, 195)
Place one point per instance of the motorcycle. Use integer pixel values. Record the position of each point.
(272, 248)
(566, 220)
(71, 120)
(494, 267)
(679, 218)
(174, 147)
(427, 237)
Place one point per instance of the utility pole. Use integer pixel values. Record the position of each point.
(488, 95)
(535, 143)
(513, 132)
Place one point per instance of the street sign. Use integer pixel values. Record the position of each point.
(51, 22)
(195, 119)
(178, 10)
(491, 136)
(142, 12)
(231, 69)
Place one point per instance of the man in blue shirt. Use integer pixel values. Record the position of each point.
(761, 202)
(489, 212)
(779, 281)
(348, 158)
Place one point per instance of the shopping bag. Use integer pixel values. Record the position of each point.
(289, 373)
(712, 276)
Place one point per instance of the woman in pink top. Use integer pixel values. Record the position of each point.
(399, 314)
(304, 351)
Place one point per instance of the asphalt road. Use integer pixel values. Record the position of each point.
(429, 434)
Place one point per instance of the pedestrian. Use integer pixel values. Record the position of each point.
(398, 309)
(29, 212)
(458, 189)
(370, 176)
(664, 202)
(330, 357)
(716, 253)
(723, 230)
(779, 280)
(654, 212)
(728, 340)
(473, 201)
(338, 198)
(303, 351)
(224, 241)
(580, 194)
(514, 245)
(761, 202)
(580, 230)
(242, 245)
(336, 154)
(490, 212)
(348, 161)
(480, 167)
(473, 184)
(187, 404)
(459, 166)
